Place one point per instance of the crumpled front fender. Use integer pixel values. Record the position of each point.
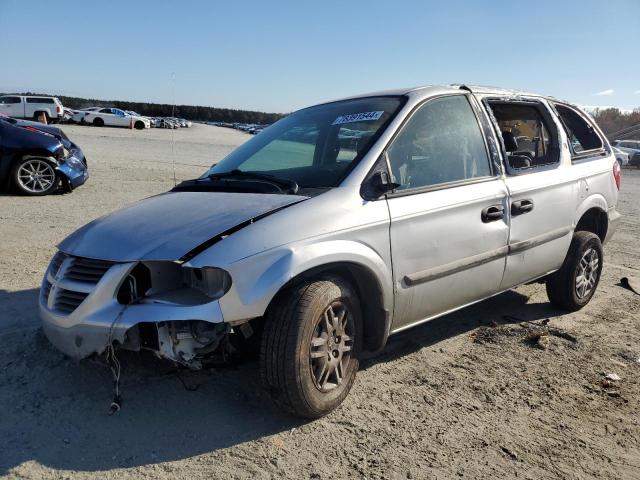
(258, 278)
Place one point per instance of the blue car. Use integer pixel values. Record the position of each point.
(37, 159)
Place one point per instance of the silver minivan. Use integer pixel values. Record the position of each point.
(338, 226)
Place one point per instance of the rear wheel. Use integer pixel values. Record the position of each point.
(309, 348)
(35, 176)
(571, 287)
(98, 122)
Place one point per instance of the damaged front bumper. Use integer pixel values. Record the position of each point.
(99, 319)
(73, 169)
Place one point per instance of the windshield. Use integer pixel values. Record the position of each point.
(315, 147)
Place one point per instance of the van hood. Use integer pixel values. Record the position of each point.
(170, 225)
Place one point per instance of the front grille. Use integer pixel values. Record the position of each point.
(70, 280)
(86, 269)
(56, 262)
(67, 301)
(46, 289)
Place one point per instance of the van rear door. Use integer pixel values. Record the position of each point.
(543, 191)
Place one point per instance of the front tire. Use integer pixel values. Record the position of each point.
(310, 345)
(35, 176)
(139, 125)
(98, 122)
(571, 287)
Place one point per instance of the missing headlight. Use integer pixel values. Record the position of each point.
(213, 282)
(135, 285)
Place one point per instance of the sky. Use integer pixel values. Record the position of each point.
(279, 56)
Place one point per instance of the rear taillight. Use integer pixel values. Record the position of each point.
(616, 173)
(59, 109)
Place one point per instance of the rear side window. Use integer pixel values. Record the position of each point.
(582, 135)
(39, 100)
(525, 133)
(9, 100)
(441, 143)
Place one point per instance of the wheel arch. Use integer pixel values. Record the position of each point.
(376, 319)
(261, 280)
(592, 216)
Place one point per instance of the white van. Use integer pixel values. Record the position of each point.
(20, 106)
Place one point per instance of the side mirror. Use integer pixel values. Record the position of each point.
(378, 184)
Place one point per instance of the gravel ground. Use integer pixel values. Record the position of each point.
(492, 391)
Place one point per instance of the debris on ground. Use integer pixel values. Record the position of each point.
(531, 333)
(510, 453)
(610, 385)
(631, 283)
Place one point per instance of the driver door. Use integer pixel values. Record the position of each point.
(449, 228)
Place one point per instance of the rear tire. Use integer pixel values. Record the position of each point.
(98, 122)
(310, 345)
(571, 287)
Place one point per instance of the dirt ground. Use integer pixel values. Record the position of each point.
(488, 392)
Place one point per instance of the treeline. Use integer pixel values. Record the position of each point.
(191, 112)
(612, 120)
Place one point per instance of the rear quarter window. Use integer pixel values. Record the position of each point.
(583, 137)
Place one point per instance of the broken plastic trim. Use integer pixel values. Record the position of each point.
(221, 236)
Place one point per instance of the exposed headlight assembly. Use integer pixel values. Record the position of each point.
(170, 283)
(213, 282)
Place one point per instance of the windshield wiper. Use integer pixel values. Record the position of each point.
(281, 183)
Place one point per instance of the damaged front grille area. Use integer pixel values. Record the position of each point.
(87, 269)
(69, 281)
(66, 301)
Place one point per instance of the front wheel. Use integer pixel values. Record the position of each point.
(571, 287)
(308, 356)
(35, 176)
(98, 122)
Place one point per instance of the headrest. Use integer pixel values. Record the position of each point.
(510, 142)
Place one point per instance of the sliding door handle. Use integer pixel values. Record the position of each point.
(521, 206)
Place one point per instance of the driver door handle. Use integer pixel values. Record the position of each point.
(521, 206)
(492, 213)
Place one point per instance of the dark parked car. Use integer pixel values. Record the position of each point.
(37, 159)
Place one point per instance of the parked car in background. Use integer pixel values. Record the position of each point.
(407, 205)
(32, 107)
(622, 157)
(112, 117)
(78, 115)
(167, 123)
(631, 147)
(38, 159)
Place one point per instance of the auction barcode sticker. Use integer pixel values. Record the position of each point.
(358, 117)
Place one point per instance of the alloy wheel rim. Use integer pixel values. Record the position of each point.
(36, 176)
(331, 346)
(587, 273)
